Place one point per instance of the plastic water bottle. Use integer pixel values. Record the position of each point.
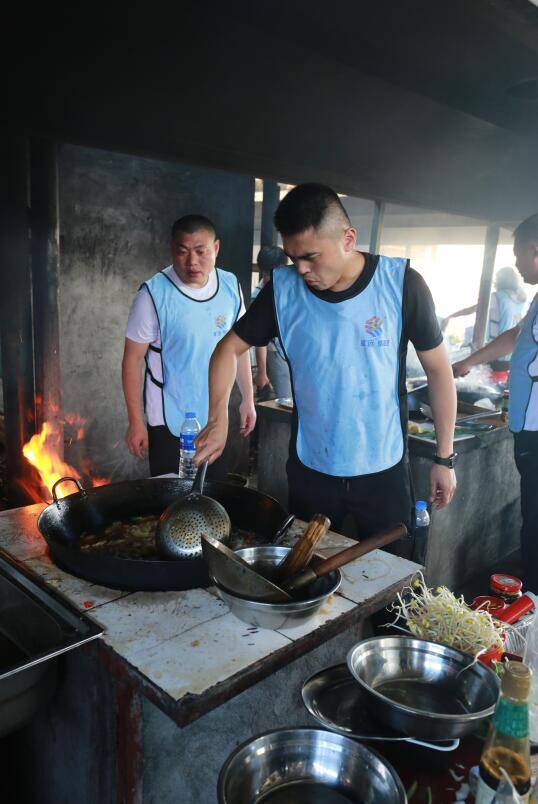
(422, 524)
(189, 430)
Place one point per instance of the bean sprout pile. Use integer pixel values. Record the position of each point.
(439, 616)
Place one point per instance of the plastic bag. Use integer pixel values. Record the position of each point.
(530, 657)
(506, 792)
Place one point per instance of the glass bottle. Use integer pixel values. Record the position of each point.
(507, 745)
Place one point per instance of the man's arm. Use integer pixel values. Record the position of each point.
(261, 378)
(499, 347)
(136, 437)
(442, 394)
(465, 311)
(222, 371)
(247, 410)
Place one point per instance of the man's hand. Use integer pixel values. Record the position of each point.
(442, 485)
(136, 439)
(247, 413)
(211, 441)
(461, 368)
(261, 380)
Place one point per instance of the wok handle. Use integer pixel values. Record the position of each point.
(284, 528)
(63, 480)
(199, 480)
(357, 550)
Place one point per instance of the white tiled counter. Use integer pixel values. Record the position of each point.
(178, 659)
(187, 648)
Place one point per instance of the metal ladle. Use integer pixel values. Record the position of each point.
(181, 525)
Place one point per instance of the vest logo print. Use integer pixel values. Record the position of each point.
(374, 328)
(220, 321)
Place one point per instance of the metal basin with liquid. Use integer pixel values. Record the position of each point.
(416, 686)
(307, 766)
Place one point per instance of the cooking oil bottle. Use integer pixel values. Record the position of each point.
(507, 745)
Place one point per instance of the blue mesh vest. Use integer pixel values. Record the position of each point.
(523, 371)
(344, 361)
(190, 330)
(510, 312)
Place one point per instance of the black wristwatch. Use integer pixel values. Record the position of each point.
(450, 461)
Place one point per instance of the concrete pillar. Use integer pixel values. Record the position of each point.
(377, 227)
(45, 268)
(16, 308)
(486, 281)
(271, 195)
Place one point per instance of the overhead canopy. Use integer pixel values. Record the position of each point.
(407, 102)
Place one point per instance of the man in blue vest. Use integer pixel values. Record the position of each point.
(522, 342)
(343, 320)
(506, 308)
(177, 318)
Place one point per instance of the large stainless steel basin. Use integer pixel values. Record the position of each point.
(36, 626)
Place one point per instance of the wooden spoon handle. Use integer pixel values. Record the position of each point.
(298, 558)
(361, 548)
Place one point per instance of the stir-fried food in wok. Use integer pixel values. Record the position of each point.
(129, 538)
(135, 538)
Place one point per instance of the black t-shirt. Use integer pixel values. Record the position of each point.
(419, 322)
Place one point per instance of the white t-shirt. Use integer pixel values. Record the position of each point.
(143, 327)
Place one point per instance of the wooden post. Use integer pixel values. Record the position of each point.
(16, 307)
(271, 195)
(377, 227)
(486, 281)
(45, 270)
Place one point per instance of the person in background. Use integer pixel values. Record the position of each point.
(522, 342)
(177, 318)
(506, 309)
(344, 319)
(273, 375)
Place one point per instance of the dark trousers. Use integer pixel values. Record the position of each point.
(526, 455)
(373, 502)
(163, 454)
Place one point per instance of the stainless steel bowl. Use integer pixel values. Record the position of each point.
(278, 615)
(413, 685)
(307, 765)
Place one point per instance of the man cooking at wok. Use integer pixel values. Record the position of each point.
(343, 319)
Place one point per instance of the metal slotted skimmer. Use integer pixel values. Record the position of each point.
(181, 525)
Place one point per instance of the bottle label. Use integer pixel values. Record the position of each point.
(186, 441)
(511, 718)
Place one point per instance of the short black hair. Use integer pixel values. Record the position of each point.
(189, 224)
(527, 231)
(309, 206)
(270, 257)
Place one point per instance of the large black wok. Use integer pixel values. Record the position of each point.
(64, 520)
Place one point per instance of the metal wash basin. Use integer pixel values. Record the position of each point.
(36, 626)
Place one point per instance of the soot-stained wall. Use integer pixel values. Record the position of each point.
(115, 217)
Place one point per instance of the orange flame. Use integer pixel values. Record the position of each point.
(43, 452)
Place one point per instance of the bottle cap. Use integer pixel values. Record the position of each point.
(516, 681)
(190, 415)
(421, 505)
(505, 583)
